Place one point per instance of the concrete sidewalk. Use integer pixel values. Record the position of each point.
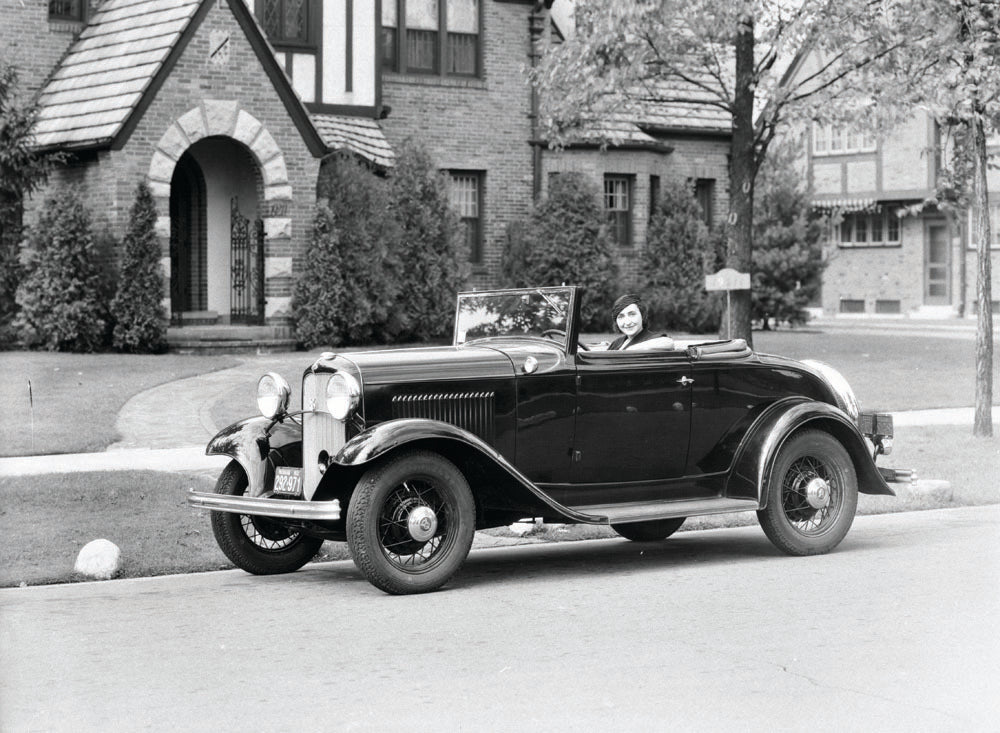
(193, 458)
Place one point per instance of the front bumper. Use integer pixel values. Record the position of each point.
(316, 511)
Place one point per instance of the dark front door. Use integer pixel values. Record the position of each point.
(188, 250)
(632, 425)
(246, 267)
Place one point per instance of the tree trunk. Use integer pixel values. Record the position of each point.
(736, 323)
(983, 423)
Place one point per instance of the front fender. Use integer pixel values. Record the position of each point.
(249, 442)
(759, 448)
(389, 436)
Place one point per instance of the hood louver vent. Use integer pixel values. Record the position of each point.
(472, 411)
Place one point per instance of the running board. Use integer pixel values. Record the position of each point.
(649, 511)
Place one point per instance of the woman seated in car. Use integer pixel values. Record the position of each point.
(630, 316)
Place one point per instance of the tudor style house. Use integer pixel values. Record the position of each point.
(890, 250)
(229, 108)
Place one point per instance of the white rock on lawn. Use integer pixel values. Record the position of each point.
(99, 559)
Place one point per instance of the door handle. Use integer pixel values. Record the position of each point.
(685, 381)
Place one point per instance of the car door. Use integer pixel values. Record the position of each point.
(633, 414)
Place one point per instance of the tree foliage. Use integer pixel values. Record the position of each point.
(564, 240)
(140, 322)
(687, 56)
(433, 263)
(22, 170)
(679, 252)
(63, 297)
(788, 252)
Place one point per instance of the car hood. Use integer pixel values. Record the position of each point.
(433, 363)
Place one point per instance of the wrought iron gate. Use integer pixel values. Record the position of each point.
(246, 267)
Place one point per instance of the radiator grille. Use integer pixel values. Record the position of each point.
(472, 411)
(320, 432)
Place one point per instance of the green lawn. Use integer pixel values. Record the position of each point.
(75, 398)
(44, 521)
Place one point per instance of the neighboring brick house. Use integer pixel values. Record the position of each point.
(889, 252)
(228, 108)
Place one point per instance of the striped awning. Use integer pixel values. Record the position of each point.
(857, 204)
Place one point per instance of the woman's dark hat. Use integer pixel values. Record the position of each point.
(624, 302)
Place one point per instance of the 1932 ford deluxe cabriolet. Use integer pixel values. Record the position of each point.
(405, 453)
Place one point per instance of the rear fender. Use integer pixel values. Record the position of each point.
(250, 442)
(760, 447)
(388, 437)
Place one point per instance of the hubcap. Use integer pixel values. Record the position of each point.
(422, 523)
(818, 493)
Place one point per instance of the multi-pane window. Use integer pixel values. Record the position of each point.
(704, 193)
(835, 140)
(618, 207)
(286, 22)
(466, 198)
(654, 195)
(66, 9)
(994, 227)
(436, 36)
(878, 229)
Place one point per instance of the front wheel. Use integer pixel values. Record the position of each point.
(653, 531)
(258, 545)
(410, 523)
(811, 496)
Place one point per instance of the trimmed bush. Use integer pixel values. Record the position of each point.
(679, 252)
(434, 264)
(565, 240)
(788, 254)
(348, 290)
(63, 297)
(140, 322)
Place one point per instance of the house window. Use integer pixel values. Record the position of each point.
(66, 9)
(421, 47)
(994, 227)
(835, 140)
(704, 193)
(848, 305)
(618, 207)
(654, 195)
(286, 22)
(466, 195)
(888, 306)
(878, 229)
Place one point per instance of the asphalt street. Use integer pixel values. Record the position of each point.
(897, 630)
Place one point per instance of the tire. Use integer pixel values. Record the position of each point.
(654, 531)
(258, 545)
(410, 523)
(812, 495)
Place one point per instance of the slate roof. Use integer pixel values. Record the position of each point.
(358, 134)
(101, 79)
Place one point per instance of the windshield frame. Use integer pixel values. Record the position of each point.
(572, 314)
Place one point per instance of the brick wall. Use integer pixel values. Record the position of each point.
(477, 124)
(32, 43)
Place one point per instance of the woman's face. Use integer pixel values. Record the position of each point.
(630, 320)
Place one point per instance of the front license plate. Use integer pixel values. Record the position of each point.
(288, 481)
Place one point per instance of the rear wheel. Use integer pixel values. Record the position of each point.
(259, 545)
(654, 531)
(410, 523)
(812, 495)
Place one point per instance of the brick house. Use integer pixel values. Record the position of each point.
(890, 251)
(228, 109)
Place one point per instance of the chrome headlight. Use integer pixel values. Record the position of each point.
(343, 393)
(273, 393)
(846, 400)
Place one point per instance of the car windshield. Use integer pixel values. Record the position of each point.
(534, 312)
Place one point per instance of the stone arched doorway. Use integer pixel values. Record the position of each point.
(188, 244)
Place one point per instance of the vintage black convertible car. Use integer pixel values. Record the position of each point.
(405, 453)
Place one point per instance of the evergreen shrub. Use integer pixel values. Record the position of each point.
(433, 261)
(349, 287)
(140, 323)
(63, 296)
(564, 240)
(679, 252)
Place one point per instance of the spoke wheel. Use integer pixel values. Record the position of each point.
(812, 495)
(410, 523)
(654, 531)
(258, 545)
